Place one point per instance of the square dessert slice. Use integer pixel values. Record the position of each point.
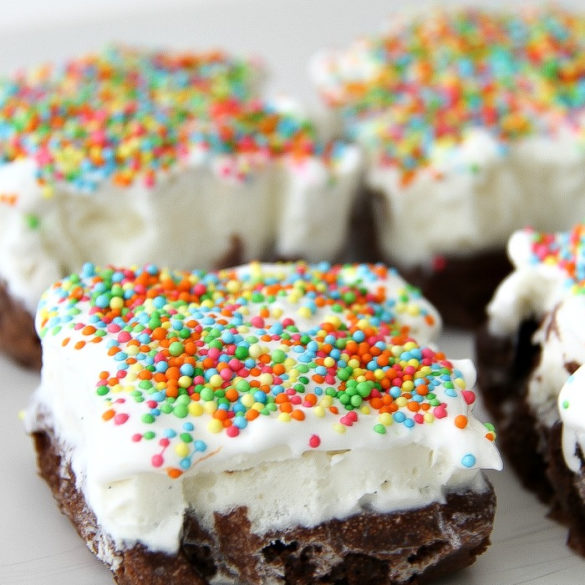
(530, 356)
(272, 423)
(132, 156)
(472, 126)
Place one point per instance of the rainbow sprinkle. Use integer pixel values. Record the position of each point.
(225, 349)
(124, 115)
(437, 77)
(564, 250)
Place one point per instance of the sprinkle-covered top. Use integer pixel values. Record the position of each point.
(125, 114)
(563, 250)
(432, 78)
(195, 361)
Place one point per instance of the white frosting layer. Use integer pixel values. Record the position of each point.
(473, 191)
(540, 290)
(270, 466)
(481, 197)
(193, 217)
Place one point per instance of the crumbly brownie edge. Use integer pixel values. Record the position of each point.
(411, 547)
(533, 449)
(18, 337)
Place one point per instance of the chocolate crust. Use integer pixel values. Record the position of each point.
(18, 338)
(459, 285)
(533, 449)
(409, 547)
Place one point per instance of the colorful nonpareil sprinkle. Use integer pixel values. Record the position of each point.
(564, 250)
(434, 77)
(125, 115)
(215, 352)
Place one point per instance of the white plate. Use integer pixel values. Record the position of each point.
(37, 545)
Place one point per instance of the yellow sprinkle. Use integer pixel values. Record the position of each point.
(116, 303)
(339, 428)
(353, 363)
(215, 381)
(409, 345)
(210, 407)
(160, 386)
(284, 417)
(378, 374)
(401, 401)
(304, 312)
(328, 362)
(334, 320)
(182, 450)
(326, 401)
(132, 350)
(407, 385)
(247, 400)
(413, 310)
(214, 426)
(266, 379)
(185, 381)
(385, 418)
(365, 409)
(277, 312)
(255, 350)
(233, 286)
(117, 388)
(319, 411)
(258, 406)
(429, 417)
(459, 382)
(195, 409)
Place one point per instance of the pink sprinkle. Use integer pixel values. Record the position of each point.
(157, 460)
(314, 441)
(468, 396)
(419, 418)
(232, 431)
(227, 374)
(440, 411)
(296, 399)
(213, 353)
(199, 289)
(124, 336)
(347, 420)
(235, 364)
(257, 322)
(113, 328)
(164, 443)
(137, 437)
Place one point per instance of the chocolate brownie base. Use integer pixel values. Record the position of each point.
(460, 286)
(17, 332)
(533, 449)
(411, 547)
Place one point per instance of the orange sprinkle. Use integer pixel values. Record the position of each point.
(298, 414)
(461, 421)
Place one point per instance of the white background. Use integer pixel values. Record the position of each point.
(37, 544)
